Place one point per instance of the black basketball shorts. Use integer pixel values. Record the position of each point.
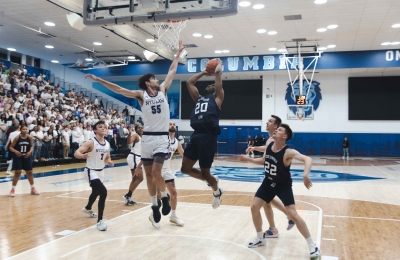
(268, 190)
(201, 147)
(21, 163)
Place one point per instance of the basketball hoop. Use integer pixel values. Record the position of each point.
(168, 35)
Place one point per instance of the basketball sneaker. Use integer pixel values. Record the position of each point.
(101, 225)
(316, 253)
(128, 201)
(155, 224)
(166, 206)
(156, 215)
(8, 173)
(217, 199)
(290, 224)
(176, 221)
(257, 242)
(91, 213)
(348, 158)
(271, 233)
(34, 191)
(343, 157)
(12, 193)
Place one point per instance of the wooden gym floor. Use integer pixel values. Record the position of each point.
(352, 211)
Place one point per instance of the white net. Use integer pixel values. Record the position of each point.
(168, 34)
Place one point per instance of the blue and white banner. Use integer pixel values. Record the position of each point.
(259, 63)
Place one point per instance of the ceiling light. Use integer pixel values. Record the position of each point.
(259, 6)
(261, 31)
(49, 47)
(244, 4)
(49, 24)
(397, 25)
(321, 30)
(131, 57)
(282, 50)
(331, 46)
(88, 59)
(11, 49)
(272, 32)
(218, 51)
(272, 49)
(320, 2)
(208, 36)
(225, 51)
(322, 48)
(97, 43)
(332, 26)
(385, 43)
(197, 34)
(54, 61)
(395, 43)
(149, 40)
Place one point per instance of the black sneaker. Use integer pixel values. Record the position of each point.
(131, 202)
(166, 207)
(156, 213)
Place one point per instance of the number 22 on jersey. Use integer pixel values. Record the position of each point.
(270, 168)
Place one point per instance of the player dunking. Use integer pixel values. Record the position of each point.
(22, 147)
(155, 135)
(272, 124)
(278, 182)
(134, 162)
(204, 119)
(169, 177)
(96, 151)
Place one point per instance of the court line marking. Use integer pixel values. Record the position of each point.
(163, 235)
(328, 226)
(329, 239)
(383, 219)
(386, 173)
(56, 240)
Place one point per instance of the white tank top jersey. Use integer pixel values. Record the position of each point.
(173, 145)
(97, 155)
(136, 147)
(155, 112)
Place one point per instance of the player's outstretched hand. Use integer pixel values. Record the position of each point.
(180, 47)
(249, 149)
(91, 76)
(243, 158)
(307, 182)
(111, 163)
(218, 69)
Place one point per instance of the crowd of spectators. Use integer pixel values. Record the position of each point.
(59, 120)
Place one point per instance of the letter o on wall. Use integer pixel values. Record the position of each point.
(389, 55)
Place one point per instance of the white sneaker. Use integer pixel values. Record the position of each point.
(316, 253)
(343, 157)
(257, 242)
(8, 172)
(348, 158)
(176, 221)
(153, 222)
(91, 213)
(101, 226)
(217, 199)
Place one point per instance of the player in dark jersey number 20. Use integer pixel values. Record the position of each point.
(278, 182)
(205, 122)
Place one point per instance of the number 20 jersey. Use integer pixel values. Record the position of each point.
(155, 111)
(275, 169)
(205, 116)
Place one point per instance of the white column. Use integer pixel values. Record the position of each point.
(23, 59)
(8, 55)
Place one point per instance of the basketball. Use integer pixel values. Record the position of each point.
(211, 65)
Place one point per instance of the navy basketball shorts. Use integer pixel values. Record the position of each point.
(268, 190)
(21, 163)
(201, 147)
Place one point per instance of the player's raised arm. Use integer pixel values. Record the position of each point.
(172, 69)
(86, 147)
(218, 84)
(307, 165)
(138, 94)
(193, 91)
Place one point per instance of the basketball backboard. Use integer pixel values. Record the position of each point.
(300, 112)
